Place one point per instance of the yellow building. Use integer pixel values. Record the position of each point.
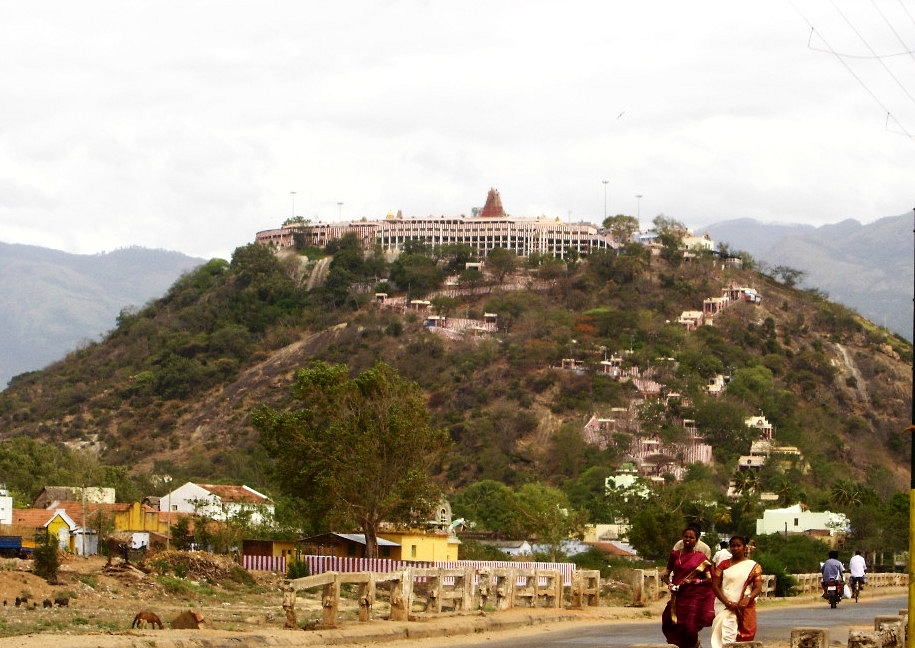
(399, 545)
(431, 547)
(57, 523)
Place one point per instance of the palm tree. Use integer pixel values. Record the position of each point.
(846, 493)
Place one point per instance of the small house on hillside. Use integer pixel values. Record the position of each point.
(219, 502)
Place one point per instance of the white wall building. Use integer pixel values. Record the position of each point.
(6, 507)
(219, 502)
(794, 519)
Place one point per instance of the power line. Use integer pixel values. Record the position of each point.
(842, 60)
(893, 29)
(874, 53)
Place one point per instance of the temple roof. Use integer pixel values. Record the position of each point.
(493, 207)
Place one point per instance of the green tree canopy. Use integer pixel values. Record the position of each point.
(501, 262)
(622, 227)
(359, 448)
(543, 512)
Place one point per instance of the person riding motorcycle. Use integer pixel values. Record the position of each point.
(832, 570)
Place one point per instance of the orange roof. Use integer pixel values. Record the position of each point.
(232, 493)
(610, 549)
(32, 518)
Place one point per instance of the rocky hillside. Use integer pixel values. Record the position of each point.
(866, 267)
(54, 301)
(170, 389)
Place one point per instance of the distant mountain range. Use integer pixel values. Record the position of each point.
(52, 301)
(866, 267)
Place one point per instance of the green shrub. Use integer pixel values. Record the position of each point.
(297, 569)
(46, 558)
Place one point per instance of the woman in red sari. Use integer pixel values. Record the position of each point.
(692, 600)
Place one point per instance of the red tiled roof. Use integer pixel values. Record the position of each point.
(32, 518)
(610, 549)
(233, 493)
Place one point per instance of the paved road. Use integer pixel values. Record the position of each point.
(775, 625)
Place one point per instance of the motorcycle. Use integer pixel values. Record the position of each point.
(834, 592)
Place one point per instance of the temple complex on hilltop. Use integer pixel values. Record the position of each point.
(487, 229)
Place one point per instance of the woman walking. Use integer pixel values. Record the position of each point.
(692, 600)
(737, 583)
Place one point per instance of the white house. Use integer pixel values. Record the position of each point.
(514, 548)
(219, 502)
(6, 507)
(794, 519)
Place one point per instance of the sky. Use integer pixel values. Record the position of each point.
(188, 125)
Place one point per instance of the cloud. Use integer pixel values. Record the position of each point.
(185, 126)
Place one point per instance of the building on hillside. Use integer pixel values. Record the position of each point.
(737, 293)
(716, 384)
(691, 320)
(219, 502)
(698, 243)
(711, 306)
(91, 494)
(797, 519)
(488, 229)
(763, 428)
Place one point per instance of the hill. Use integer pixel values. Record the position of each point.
(866, 267)
(54, 301)
(169, 390)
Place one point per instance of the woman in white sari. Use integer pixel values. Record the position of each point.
(737, 582)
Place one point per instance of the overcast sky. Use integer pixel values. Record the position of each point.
(186, 125)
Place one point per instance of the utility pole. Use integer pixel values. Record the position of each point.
(910, 629)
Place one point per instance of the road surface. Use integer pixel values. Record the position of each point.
(775, 625)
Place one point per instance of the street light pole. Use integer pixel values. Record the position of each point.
(605, 198)
(340, 210)
(638, 207)
(293, 203)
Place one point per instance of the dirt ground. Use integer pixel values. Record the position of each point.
(102, 602)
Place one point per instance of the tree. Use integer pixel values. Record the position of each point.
(543, 512)
(417, 273)
(485, 505)
(787, 275)
(361, 448)
(622, 227)
(654, 530)
(502, 262)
